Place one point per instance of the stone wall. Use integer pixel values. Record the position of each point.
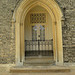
(7, 31)
(7, 41)
(68, 29)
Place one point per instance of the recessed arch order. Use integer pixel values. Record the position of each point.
(56, 15)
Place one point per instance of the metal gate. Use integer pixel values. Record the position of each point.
(38, 47)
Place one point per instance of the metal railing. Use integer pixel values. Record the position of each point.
(38, 47)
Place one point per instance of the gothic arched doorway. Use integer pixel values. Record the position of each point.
(56, 16)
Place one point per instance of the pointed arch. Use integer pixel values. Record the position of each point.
(55, 12)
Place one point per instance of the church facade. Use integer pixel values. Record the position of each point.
(36, 32)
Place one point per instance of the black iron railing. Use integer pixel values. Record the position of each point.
(38, 47)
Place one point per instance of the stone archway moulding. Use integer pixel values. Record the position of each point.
(55, 12)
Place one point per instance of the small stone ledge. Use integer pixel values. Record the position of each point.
(5, 68)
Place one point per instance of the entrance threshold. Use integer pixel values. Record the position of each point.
(39, 57)
(46, 69)
(39, 61)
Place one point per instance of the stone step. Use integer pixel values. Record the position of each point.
(38, 58)
(41, 61)
(39, 69)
